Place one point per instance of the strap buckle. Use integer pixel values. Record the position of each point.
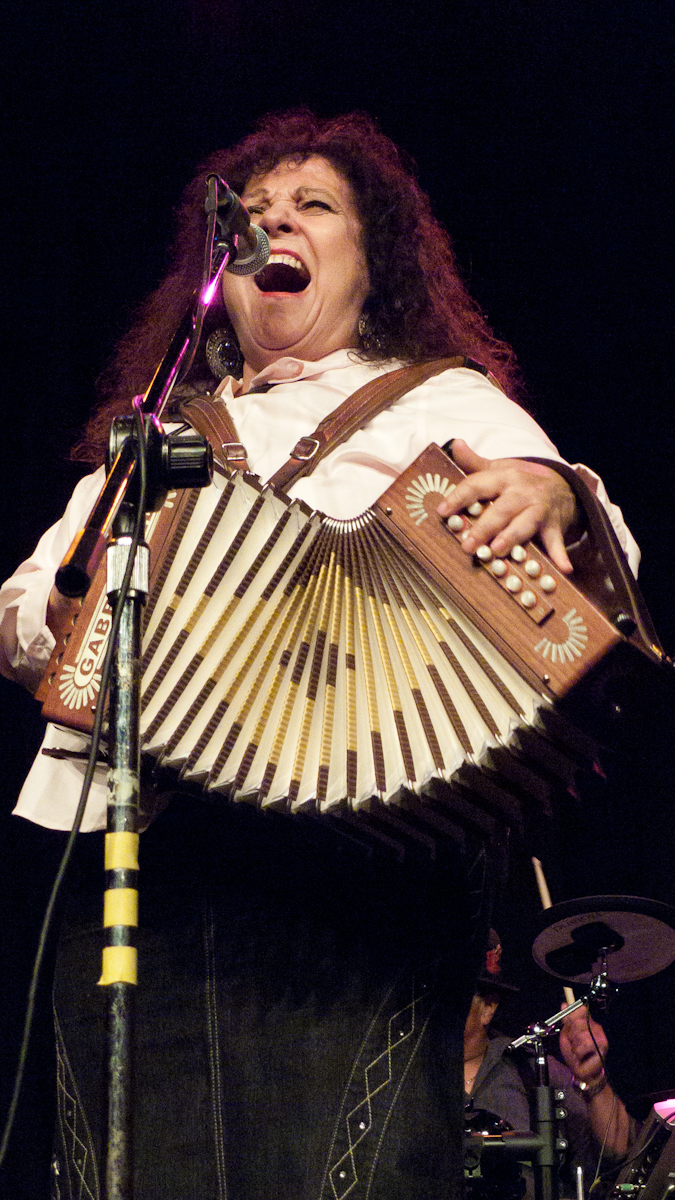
(306, 448)
(233, 451)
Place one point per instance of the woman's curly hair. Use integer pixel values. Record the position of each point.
(417, 309)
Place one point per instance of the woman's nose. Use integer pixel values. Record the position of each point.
(278, 218)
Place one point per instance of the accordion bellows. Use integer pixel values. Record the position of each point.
(308, 661)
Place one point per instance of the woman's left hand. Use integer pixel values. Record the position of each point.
(528, 500)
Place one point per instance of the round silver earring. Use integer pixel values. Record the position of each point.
(223, 354)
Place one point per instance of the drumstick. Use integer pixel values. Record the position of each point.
(545, 896)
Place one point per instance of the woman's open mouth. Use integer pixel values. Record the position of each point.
(283, 273)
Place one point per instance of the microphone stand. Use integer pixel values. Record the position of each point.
(128, 493)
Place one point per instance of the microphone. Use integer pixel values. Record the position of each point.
(253, 249)
(251, 243)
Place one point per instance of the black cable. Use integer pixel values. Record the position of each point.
(597, 1177)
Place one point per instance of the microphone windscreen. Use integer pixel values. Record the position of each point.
(255, 260)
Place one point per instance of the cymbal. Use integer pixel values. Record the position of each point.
(638, 935)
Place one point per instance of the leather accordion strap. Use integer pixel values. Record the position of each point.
(357, 410)
(607, 556)
(211, 419)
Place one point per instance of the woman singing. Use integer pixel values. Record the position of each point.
(302, 997)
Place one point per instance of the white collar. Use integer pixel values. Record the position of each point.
(290, 369)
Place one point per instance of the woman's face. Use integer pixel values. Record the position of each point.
(307, 301)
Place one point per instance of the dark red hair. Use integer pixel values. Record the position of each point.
(418, 307)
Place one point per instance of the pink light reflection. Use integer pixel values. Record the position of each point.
(666, 1110)
(208, 293)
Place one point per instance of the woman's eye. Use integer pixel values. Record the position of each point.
(316, 204)
(254, 208)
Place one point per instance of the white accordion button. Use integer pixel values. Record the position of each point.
(532, 568)
(484, 553)
(519, 554)
(547, 583)
(513, 583)
(456, 523)
(528, 600)
(499, 567)
(475, 510)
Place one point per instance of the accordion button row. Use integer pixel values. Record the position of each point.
(516, 575)
(520, 588)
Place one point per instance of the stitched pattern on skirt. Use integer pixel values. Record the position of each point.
(74, 1169)
(374, 1086)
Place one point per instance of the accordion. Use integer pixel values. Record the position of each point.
(323, 665)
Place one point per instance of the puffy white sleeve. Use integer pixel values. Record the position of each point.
(626, 539)
(25, 640)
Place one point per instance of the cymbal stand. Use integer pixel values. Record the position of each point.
(547, 1100)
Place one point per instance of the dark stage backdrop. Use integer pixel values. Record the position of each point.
(543, 132)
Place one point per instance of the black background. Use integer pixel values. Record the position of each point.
(543, 133)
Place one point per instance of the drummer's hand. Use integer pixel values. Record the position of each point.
(528, 500)
(578, 1049)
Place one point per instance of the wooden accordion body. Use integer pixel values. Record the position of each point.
(334, 665)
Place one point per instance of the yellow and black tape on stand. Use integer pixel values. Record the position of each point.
(120, 909)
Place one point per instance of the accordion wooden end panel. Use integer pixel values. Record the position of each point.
(306, 661)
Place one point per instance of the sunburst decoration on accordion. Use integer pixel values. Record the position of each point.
(419, 491)
(76, 694)
(574, 646)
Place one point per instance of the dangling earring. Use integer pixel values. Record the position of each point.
(369, 339)
(223, 353)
